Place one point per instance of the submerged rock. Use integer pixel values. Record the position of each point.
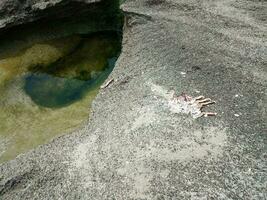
(68, 79)
(51, 70)
(53, 79)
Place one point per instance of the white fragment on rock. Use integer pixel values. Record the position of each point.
(197, 91)
(183, 103)
(237, 115)
(189, 105)
(183, 73)
(107, 83)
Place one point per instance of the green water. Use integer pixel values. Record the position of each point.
(47, 88)
(69, 78)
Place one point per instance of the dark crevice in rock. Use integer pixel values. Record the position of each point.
(17, 182)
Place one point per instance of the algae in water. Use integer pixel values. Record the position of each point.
(46, 88)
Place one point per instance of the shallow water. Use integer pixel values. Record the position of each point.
(47, 88)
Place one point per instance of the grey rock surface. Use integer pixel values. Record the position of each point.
(15, 12)
(133, 146)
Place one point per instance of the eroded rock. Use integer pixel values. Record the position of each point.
(14, 12)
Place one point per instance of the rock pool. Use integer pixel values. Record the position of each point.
(47, 87)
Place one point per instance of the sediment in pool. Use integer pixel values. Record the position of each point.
(47, 85)
(69, 78)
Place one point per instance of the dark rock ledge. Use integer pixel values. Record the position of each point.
(15, 12)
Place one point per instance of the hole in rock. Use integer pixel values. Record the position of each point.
(50, 73)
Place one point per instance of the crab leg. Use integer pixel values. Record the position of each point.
(206, 114)
(207, 103)
(196, 99)
(199, 98)
(204, 100)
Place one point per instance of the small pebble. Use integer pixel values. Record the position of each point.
(183, 73)
(237, 115)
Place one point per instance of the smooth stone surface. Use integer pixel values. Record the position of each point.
(133, 146)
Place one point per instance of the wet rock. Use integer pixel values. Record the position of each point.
(13, 12)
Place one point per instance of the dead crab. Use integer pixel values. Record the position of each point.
(189, 105)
